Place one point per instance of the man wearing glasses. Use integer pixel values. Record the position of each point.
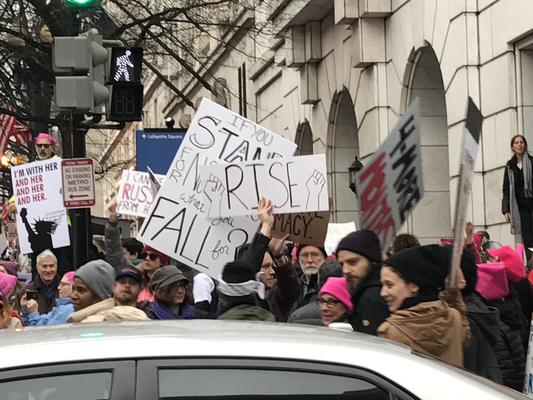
(310, 258)
(45, 146)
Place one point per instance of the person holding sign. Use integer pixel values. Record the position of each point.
(45, 146)
(517, 201)
(411, 282)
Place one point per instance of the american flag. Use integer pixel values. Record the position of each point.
(10, 126)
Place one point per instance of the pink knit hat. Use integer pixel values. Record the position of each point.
(69, 276)
(7, 283)
(45, 137)
(338, 288)
(516, 269)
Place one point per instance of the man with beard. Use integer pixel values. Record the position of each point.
(310, 258)
(359, 254)
(45, 146)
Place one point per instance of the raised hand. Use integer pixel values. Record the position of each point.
(315, 185)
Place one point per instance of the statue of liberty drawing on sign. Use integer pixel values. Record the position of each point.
(41, 238)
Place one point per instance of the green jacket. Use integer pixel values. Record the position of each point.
(247, 312)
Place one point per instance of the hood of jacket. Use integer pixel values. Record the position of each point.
(247, 312)
(427, 326)
(485, 317)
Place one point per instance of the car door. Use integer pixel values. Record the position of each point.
(258, 379)
(110, 380)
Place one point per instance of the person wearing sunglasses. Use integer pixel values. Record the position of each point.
(153, 260)
(45, 146)
(8, 317)
(171, 296)
(334, 300)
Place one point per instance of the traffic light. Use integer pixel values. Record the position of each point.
(126, 98)
(82, 3)
(79, 61)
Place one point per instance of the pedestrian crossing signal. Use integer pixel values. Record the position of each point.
(126, 64)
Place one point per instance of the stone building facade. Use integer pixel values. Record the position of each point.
(335, 75)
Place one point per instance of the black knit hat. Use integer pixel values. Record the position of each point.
(425, 266)
(238, 272)
(364, 242)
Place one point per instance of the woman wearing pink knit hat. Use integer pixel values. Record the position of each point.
(8, 317)
(334, 300)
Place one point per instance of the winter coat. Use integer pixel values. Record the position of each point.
(480, 354)
(432, 327)
(308, 314)
(46, 295)
(370, 310)
(510, 350)
(281, 296)
(522, 201)
(59, 314)
(108, 310)
(247, 312)
(186, 311)
(113, 247)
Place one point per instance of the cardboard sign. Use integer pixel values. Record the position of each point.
(336, 231)
(390, 185)
(78, 183)
(177, 223)
(469, 150)
(296, 184)
(135, 194)
(41, 217)
(308, 228)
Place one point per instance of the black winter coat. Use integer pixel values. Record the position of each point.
(480, 354)
(522, 201)
(510, 350)
(369, 308)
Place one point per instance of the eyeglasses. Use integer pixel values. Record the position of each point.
(43, 145)
(329, 303)
(180, 285)
(151, 256)
(61, 283)
(313, 255)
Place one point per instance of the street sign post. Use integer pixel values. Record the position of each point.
(78, 183)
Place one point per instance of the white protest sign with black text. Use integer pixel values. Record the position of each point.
(41, 218)
(469, 150)
(177, 223)
(294, 185)
(135, 194)
(391, 185)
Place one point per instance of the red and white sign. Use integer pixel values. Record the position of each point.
(391, 184)
(78, 182)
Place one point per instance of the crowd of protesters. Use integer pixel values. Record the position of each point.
(479, 322)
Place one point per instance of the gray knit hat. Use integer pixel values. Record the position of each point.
(99, 276)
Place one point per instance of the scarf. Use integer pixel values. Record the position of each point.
(526, 170)
(161, 311)
(515, 212)
(241, 289)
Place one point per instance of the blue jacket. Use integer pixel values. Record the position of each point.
(58, 315)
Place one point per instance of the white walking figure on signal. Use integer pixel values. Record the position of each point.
(123, 62)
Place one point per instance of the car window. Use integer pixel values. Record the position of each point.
(236, 384)
(88, 386)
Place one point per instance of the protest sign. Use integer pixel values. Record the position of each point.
(177, 223)
(391, 185)
(469, 150)
(135, 194)
(308, 228)
(296, 184)
(335, 232)
(41, 218)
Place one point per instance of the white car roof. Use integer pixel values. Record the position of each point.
(211, 338)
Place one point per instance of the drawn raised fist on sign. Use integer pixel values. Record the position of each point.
(213, 191)
(315, 185)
